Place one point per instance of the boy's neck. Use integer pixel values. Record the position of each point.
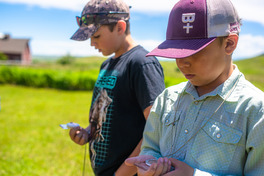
(127, 44)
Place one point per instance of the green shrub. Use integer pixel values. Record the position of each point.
(170, 81)
(58, 79)
(3, 56)
(66, 60)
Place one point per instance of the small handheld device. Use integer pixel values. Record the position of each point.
(146, 164)
(69, 125)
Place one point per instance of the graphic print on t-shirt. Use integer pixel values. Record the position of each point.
(104, 86)
(97, 118)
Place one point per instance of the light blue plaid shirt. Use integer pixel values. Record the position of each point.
(230, 143)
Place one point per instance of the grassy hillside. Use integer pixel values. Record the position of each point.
(253, 69)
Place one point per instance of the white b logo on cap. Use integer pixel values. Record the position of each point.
(188, 18)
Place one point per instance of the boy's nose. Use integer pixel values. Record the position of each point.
(183, 62)
(92, 43)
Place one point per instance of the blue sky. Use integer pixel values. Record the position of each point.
(49, 24)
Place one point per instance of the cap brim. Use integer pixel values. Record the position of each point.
(84, 33)
(180, 48)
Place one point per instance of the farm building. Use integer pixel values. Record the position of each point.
(16, 50)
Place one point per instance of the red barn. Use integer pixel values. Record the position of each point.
(17, 50)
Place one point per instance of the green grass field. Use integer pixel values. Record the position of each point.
(253, 70)
(31, 141)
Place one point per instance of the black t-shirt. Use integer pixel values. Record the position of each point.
(124, 88)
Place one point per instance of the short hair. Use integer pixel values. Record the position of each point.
(111, 27)
(221, 39)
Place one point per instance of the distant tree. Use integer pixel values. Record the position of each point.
(66, 60)
(3, 56)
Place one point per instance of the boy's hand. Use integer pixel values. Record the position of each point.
(180, 168)
(79, 135)
(162, 166)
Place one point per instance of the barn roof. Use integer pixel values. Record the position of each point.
(15, 46)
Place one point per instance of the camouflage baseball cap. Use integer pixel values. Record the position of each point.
(99, 12)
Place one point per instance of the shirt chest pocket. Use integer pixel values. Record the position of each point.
(170, 119)
(215, 145)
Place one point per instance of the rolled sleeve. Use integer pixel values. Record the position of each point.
(151, 135)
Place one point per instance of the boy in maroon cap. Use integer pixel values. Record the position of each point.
(124, 92)
(214, 123)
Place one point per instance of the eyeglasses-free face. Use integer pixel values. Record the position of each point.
(100, 18)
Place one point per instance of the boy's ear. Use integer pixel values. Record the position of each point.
(121, 26)
(231, 43)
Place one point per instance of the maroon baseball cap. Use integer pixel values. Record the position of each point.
(97, 13)
(194, 24)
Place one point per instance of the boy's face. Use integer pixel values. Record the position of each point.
(105, 41)
(208, 68)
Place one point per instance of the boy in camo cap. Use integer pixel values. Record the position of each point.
(97, 13)
(124, 92)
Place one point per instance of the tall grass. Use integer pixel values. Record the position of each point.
(31, 141)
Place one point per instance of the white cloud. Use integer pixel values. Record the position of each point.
(75, 5)
(151, 5)
(59, 48)
(75, 48)
(249, 10)
(149, 44)
(249, 46)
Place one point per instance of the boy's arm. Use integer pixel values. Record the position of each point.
(128, 170)
(254, 164)
(150, 144)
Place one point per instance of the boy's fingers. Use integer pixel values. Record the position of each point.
(82, 140)
(165, 166)
(131, 161)
(153, 170)
(138, 159)
(74, 132)
(170, 166)
(159, 167)
(78, 136)
(83, 137)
